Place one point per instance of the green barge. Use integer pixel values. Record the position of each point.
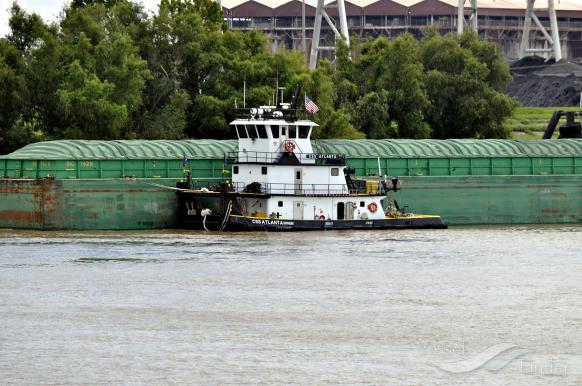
(103, 185)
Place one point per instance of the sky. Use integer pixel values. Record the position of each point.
(49, 10)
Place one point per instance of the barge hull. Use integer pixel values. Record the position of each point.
(109, 204)
(95, 204)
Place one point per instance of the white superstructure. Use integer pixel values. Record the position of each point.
(285, 179)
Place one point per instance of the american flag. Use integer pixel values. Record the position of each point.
(310, 105)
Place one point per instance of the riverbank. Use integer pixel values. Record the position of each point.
(531, 122)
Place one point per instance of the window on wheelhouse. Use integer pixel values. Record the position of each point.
(275, 131)
(292, 132)
(241, 132)
(252, 131)
(262, 131)
(303, 131)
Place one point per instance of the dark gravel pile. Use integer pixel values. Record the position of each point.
(540, 84)
(530, 62)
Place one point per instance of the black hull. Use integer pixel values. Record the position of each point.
(240, 223)
(190, 217)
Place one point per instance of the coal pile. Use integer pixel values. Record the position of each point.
(540, 84)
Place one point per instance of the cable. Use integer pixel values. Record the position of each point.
(226, 216)
(205, 212)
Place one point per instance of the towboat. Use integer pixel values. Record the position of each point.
(278, 183)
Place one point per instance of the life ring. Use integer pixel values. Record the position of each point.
(289, 146)
(322, 217)
(372, 207)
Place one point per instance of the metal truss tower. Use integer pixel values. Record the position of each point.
(553, 41)
(461, 16)
(319, 13)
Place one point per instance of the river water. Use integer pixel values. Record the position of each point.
(472, 305)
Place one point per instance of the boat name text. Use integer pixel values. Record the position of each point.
(271, 222)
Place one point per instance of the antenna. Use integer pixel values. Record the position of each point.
(276, 88)
(295, 97)
(245, 92)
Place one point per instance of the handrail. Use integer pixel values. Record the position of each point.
(289, 115)
(214, 185)
(272, 157)
(300, 189)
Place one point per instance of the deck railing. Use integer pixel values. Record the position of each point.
(300, 189)
(269, 157)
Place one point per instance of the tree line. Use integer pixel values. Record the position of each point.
(109, 70)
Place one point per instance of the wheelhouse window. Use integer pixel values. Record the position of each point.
(241, 131)
(303, 131)
(292, 132)
(335, 172)
(280, 204)
(262, 131)
(362, 204)
(235, 169)
(252, 131)
(275, 131)
(264, 170)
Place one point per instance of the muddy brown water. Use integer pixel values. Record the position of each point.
(475, 305)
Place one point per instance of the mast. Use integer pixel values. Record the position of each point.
(293, 105)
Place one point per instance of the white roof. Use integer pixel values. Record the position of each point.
(230, 4)
(272, 121)
(561, 5)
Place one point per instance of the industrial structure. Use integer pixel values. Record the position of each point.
(502, 21)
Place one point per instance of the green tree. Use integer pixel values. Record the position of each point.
(13, 93)
(86, 102)
(490, 54)
(109, 70)
(75, 4)
(168, 121)
(25, 28)
(184, 59)
(44, 72)
(404, 80)
(103, 78)
(335, 121)
(19, 124)
(391, 80)
(12, 84)
(371, 115)
(463, 100)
